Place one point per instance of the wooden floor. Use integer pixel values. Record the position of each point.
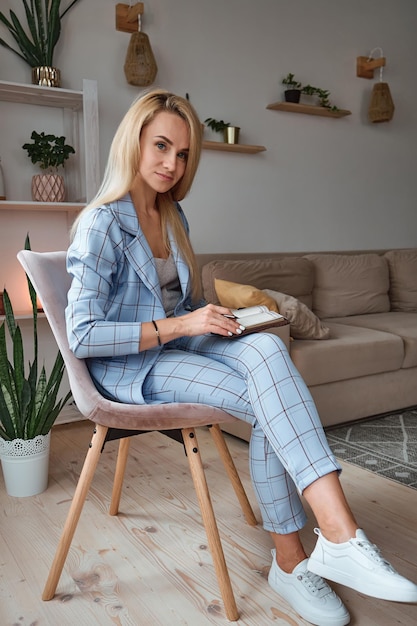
(150, 565)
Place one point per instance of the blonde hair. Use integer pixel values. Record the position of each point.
(123, 165)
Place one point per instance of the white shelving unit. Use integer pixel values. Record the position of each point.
(74, 104)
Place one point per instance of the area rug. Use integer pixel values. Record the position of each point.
(386, 445)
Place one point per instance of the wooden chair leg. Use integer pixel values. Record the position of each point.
(231, 470)
(74, 513)
(209, 520)
(124, 446)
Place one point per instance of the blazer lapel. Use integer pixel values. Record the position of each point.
(140, 255)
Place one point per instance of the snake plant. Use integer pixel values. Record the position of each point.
(28, 405)
(36, 43)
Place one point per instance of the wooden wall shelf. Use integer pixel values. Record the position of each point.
(43, 96)
(77, 106)
(307, 109)
(232, 147)
(21, 205)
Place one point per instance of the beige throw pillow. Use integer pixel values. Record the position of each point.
(403, 279)
(303, 323)
(236, 296)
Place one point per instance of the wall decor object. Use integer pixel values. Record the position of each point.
(140, 66)
(36, 45)
(381, 107)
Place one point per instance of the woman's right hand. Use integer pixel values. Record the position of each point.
(208, 319)
(211, 318)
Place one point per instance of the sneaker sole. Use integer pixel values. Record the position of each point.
(336, 576)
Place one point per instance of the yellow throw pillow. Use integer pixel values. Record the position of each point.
(237, 296)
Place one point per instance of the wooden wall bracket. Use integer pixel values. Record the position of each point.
(365, 66)
(127, 17)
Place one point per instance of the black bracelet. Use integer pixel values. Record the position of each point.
(157, 333)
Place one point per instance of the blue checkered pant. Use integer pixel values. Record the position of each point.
(254, 379)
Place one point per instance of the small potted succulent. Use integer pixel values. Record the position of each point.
(293, 91)
(49, 152)
(230, 133)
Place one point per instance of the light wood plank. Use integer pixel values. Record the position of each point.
(151, 565)
(308, 109)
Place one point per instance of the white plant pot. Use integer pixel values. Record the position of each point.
(25, 464)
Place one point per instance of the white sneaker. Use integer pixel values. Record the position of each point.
(308, 594)
(359, 564)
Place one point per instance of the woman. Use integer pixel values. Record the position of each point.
(134, 312)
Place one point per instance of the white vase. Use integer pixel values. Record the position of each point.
(25, 464)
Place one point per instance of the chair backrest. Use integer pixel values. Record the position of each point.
(48, 274)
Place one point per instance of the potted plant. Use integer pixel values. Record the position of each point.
(28, 405)
(230, 133)
(49, 152)
(292, 93)
(321, 94)
(37, 43)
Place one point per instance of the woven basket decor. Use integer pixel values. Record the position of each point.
(381, 108)
(140, 65)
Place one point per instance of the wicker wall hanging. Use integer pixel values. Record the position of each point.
(140, 66)
(381, 107)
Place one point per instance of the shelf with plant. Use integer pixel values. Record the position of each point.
(220, 126)
(76, 105)
(323, 108)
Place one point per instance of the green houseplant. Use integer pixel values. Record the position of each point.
(36, 43)
(230, 132)
(28, 402)
(293, 91)
(296, 88)
(49, 152)
(322, 95)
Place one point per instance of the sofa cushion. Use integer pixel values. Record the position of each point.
(350, 352)
(349, 284)
(237, 296)
(399, 323)
(303, 323)
(292, 275)
(402, 266)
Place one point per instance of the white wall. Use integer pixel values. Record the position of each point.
(322, 183)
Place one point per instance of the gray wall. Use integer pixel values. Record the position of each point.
(322, 183)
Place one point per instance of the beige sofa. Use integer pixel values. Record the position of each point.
(363, 305)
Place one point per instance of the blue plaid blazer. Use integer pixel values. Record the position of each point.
(115, 287)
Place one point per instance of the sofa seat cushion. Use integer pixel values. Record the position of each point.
(347, 284)
(398, 323)
(350, 352)
(291, 275)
